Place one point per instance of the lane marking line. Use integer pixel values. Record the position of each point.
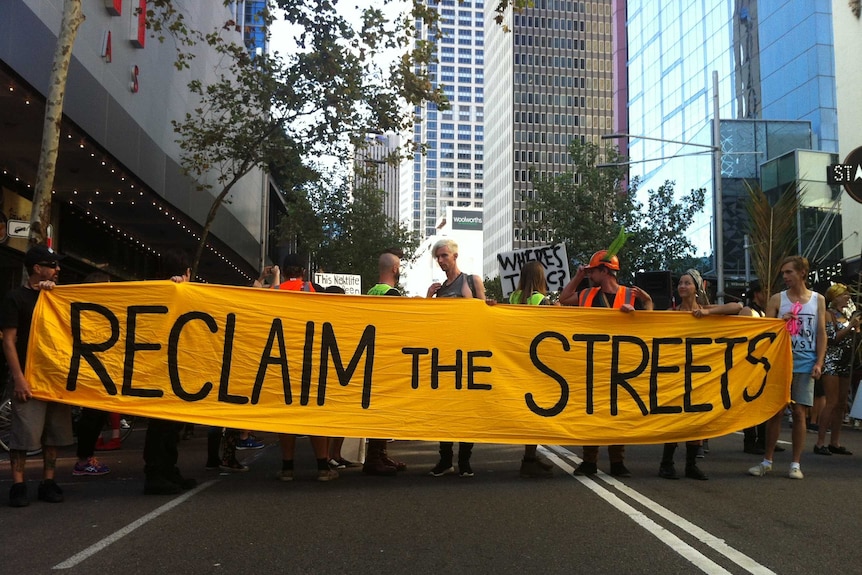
(713, 542)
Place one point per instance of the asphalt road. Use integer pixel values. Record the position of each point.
(495, 522)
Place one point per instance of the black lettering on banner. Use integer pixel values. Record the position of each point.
(590, 340)
(691, 368)
(731, 342)
(414, 363)
(307, 359)
(227, 359)
(329, 347)
(436, 368)
(621, 379)
(558, 407)
(266, 359)
(173, 354)
(472, 368)
(754, 360)
(655, 369)
(133, 346)
(87, 351)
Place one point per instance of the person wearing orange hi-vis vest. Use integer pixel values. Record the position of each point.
(605, 292)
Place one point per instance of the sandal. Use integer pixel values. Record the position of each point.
(822, 450)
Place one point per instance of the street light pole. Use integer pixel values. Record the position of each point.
(718, 216)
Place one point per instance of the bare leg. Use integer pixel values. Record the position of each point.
(773, 430)
(826, 417)
(288, 446)
(799, 431)
(840, 409)
(18, 461)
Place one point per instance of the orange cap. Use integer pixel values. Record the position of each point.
(600, 259)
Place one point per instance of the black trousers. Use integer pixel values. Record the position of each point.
(160, 447)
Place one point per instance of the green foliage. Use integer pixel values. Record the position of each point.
(772, 232)
(586, 208)
(493, 288)
(344, 231)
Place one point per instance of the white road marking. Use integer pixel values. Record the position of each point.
(117, 535)
(556, 453)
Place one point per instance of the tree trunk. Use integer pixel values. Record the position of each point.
(40, 214)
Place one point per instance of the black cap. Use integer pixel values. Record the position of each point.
(41, 254)
(293, 261)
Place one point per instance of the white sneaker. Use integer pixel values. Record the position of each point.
(795, 473)
(760, 469)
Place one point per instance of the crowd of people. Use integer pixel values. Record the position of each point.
(822, 329)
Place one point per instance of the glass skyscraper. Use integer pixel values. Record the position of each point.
(775, 61)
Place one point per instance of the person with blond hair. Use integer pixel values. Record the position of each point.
(836, 369)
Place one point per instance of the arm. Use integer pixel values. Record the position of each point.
(644, 298)
(569, 295)
(21, 388)
(479, 286)
(821, 336)
(772, 305)
(732, 308)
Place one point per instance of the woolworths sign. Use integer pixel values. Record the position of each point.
(463, 220)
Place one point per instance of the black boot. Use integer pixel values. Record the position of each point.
(443, 466)
(666, 469)
(213, 443)
(465, 451)
(692, 471)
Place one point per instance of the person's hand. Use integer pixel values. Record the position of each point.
(816, 371)
(433, 289)
(46, 285)
(641, 295)
(22, 390)
(700, 312)
(490, 301)
(627, 308)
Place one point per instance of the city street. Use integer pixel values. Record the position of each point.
(495, 522)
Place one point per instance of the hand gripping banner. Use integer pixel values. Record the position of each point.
(366, 366)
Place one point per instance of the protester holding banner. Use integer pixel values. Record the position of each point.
(162, 476)
(35, 423)
(533, 290)
(377, 460)
(608, 293)
(836, 369)
(693, 300)
(804, 312)
(457, 284)
(294, 272)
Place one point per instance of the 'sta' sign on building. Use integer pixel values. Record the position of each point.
(848, 174)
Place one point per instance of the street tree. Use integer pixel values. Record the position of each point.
(40, 213)
(586, 207)
(341, 224)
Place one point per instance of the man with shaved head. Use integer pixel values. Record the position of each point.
(377, 461)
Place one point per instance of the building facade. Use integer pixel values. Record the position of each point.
(774, 62)
(451, 173)
(120, 196)
(549, 71)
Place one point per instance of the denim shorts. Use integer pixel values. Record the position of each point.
(802, 389)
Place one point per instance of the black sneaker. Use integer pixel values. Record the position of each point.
(586, 468)
(441, 469)
(464, 469)
(667, 471)
(18, 495)
(619, 469)
(49, 491)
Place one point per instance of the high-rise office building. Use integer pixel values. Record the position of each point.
(774, 61)
(374, 166)
(549, 81)
(450, 174)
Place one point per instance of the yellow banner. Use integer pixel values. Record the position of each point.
(371, 366)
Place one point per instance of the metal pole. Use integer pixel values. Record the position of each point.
(717, 193)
